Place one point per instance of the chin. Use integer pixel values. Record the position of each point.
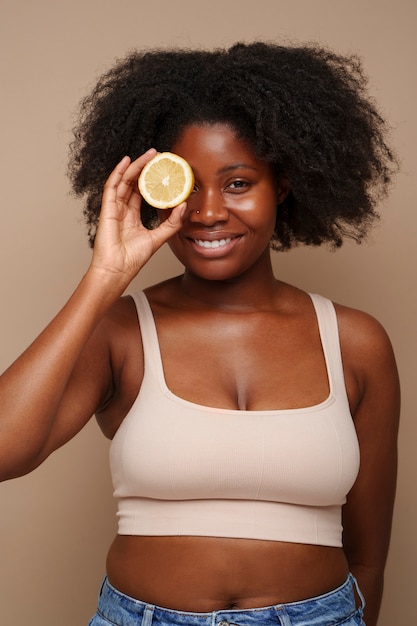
(217, 274)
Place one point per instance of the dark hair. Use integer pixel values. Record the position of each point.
(303, 108)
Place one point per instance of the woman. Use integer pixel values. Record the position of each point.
(250, 421)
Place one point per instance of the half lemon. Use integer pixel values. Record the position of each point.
(166, 180)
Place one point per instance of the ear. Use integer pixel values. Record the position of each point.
(283, 187)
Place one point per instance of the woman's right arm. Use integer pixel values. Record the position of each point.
(49, 393)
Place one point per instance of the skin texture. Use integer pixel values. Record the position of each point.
(89, 360)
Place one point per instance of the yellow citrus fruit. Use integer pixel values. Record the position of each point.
(166, 180)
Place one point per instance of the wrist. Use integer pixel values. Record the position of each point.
(101, 287)
(109, 283)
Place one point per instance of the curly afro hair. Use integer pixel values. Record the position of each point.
(302, 108)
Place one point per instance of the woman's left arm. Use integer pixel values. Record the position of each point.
(373, 386)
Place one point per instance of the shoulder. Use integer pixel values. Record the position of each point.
(118, 321)
(120, 327)
(362, 333)
(115, 327)
(367, 353)
(120, 332)
(122, 311)
(116, 340)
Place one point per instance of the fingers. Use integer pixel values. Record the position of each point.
(129, 181)
(123, 181)
(170, 225)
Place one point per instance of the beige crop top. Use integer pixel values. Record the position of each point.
(180, 468)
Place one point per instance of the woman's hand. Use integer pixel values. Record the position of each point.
(123, 245)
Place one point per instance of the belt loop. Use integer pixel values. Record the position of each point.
(148, 615)
(359, 592)
(282, 615)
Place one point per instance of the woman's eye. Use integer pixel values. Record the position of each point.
(238, 185)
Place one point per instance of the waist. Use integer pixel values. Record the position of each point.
(209, 573)
(335, 606)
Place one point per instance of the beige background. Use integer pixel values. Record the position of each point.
(56, 524)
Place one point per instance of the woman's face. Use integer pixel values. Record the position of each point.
(231, 212)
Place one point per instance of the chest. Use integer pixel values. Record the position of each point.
(261, 361)
(238, 407)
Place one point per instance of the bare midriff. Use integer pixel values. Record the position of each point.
(205, 574)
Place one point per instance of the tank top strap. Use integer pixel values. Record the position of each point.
(329, 334)
(150, 343)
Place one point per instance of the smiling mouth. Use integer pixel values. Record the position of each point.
(216, 243)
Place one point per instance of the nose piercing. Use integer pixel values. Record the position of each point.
(198, 211)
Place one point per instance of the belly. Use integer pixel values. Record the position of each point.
(204, 574)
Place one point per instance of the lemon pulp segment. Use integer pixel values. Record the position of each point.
(166, 180)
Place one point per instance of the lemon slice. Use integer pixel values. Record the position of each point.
(166, 180)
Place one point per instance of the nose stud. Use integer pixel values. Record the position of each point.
(198, 211)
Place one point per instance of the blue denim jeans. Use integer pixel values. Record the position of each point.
(335, 608)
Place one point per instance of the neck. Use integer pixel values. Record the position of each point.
(253, 290)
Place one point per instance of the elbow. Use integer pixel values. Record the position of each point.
(14, 465)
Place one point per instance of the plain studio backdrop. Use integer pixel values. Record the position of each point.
(56, 524)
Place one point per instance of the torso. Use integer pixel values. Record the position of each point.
(208, 573)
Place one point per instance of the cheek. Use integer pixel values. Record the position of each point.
(260, 213)
(261, 203)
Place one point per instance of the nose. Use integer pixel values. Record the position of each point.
(207, 207)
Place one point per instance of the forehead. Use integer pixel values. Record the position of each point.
(208, 143)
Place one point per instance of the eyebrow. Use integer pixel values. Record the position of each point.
(236, 166)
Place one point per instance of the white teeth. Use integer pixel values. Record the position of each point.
(217, 243)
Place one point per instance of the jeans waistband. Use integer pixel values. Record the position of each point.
(324, 610)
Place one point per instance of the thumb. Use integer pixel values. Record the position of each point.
(170, 225)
